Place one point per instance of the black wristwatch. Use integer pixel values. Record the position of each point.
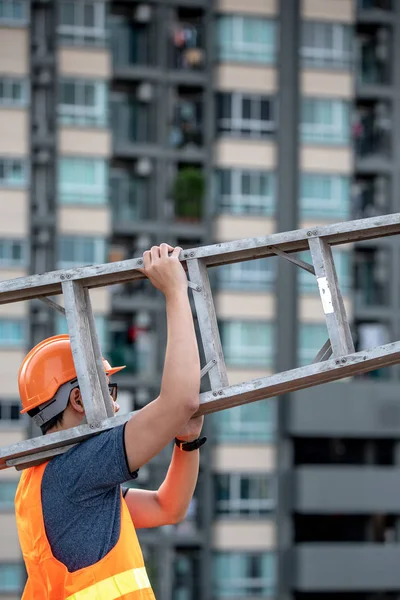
(189, 446)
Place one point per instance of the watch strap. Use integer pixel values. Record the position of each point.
(190, 446)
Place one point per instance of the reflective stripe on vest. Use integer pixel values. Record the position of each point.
(115, 586)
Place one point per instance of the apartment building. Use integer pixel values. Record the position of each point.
(192, 122)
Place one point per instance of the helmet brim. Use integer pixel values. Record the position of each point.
(114, 370)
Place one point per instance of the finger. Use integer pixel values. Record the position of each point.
(155, 254)
(177, 251)
(164, 249)
(147, 259)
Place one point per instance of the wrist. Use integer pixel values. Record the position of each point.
(187, 438)
(177, 294)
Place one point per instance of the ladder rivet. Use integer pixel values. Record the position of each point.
(198, 289)
(214, 360)
(215, 394)
(62, 276)
(140, 262)
(337, 362)
(185, 255)
(343, 360)
(309, 233)
(68, 276)
(315, 232)
(220, 392)
(191, 254)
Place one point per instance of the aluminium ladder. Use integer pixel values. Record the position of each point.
(336, 359)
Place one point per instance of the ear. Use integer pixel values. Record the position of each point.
(75, 400)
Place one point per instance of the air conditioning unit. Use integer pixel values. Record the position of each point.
(143, 167)
(145, 92)
(142, 13)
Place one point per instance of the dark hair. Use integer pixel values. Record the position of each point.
(57, 420)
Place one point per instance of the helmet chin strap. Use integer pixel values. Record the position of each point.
(56, 405)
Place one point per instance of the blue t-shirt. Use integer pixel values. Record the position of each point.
(81, 499)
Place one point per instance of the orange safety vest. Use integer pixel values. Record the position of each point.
(119, 574)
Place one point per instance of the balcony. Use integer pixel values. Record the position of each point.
(372, 278)
(375, 11)
(133, 122)
(375, 48)
(187, 43)
(132, 199)
(372, 136)
(350, 567)
(362, 409)
(187, 124)
(346, 490)
(370, 196)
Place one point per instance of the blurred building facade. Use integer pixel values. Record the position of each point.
(125, 124)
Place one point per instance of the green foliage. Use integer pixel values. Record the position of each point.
(188, 192)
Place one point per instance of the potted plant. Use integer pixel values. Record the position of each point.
(188, 193)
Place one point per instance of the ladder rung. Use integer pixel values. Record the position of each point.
(331, 297)
(208, 324)
(86, 352)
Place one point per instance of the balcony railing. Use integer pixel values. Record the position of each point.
(130, 199)
(372, 133)
(132, 45)
(132, 122)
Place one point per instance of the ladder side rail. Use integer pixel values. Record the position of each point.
(331, 297)
(208, 324)
(98, 405)
(98, 355)
(235, 395)
(50, 284)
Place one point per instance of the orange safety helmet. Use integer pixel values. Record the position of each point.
(45, 368)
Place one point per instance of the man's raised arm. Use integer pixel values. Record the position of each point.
(155, 425)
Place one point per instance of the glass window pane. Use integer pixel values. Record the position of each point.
(89, 14)
(67, 13)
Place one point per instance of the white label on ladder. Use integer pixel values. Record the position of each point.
(325, 294)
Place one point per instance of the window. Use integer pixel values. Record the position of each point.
(325, 121)
(12, 577)
(326, 45)
(325, 196)
(14, 12)
(83, 102)
(12, 253)
(244, 574)
(83, 22)
(130, 195)
(241, 192)
(10, 410)
(101, 328)
(7, 494)
(253, 423)
(83, 181)
(312, 336)
(77, 251)
(254, 275)
(13, 172)
(12, 332)
(246, 39)
(247, 343)
(245, 115)
(308, 283)
(13, 92)
(238, 494)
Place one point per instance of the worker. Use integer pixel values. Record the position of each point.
(76, 522)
